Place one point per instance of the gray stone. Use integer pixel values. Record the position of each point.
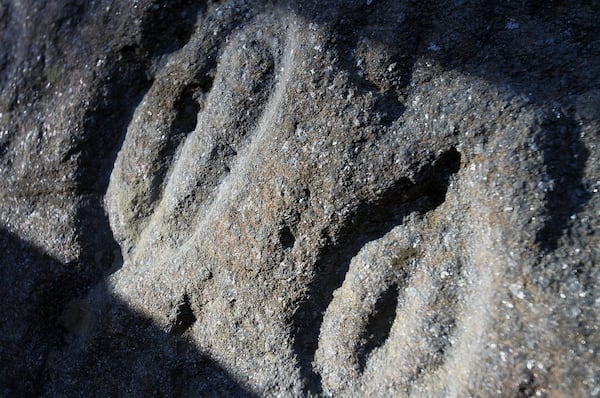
(297, 198)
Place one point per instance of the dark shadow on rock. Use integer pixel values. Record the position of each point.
(32, 300)
(379, 325)
(564, 159)
(114, 351)
(55, 345)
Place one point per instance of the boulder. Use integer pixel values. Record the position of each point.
(299, 198)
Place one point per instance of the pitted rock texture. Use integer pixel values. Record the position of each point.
(249, 198)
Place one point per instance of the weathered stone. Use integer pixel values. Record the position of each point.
(359, 198)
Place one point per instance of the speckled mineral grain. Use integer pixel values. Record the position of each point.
(299, 198)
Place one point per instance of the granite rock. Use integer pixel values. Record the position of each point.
(299, 198)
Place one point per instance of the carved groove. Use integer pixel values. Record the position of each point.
(379, 325)
(371, 221)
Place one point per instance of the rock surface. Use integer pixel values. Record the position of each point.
(299, 198)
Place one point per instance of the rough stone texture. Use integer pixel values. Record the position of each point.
(311, 198)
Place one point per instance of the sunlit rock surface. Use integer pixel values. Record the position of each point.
(299, 198)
